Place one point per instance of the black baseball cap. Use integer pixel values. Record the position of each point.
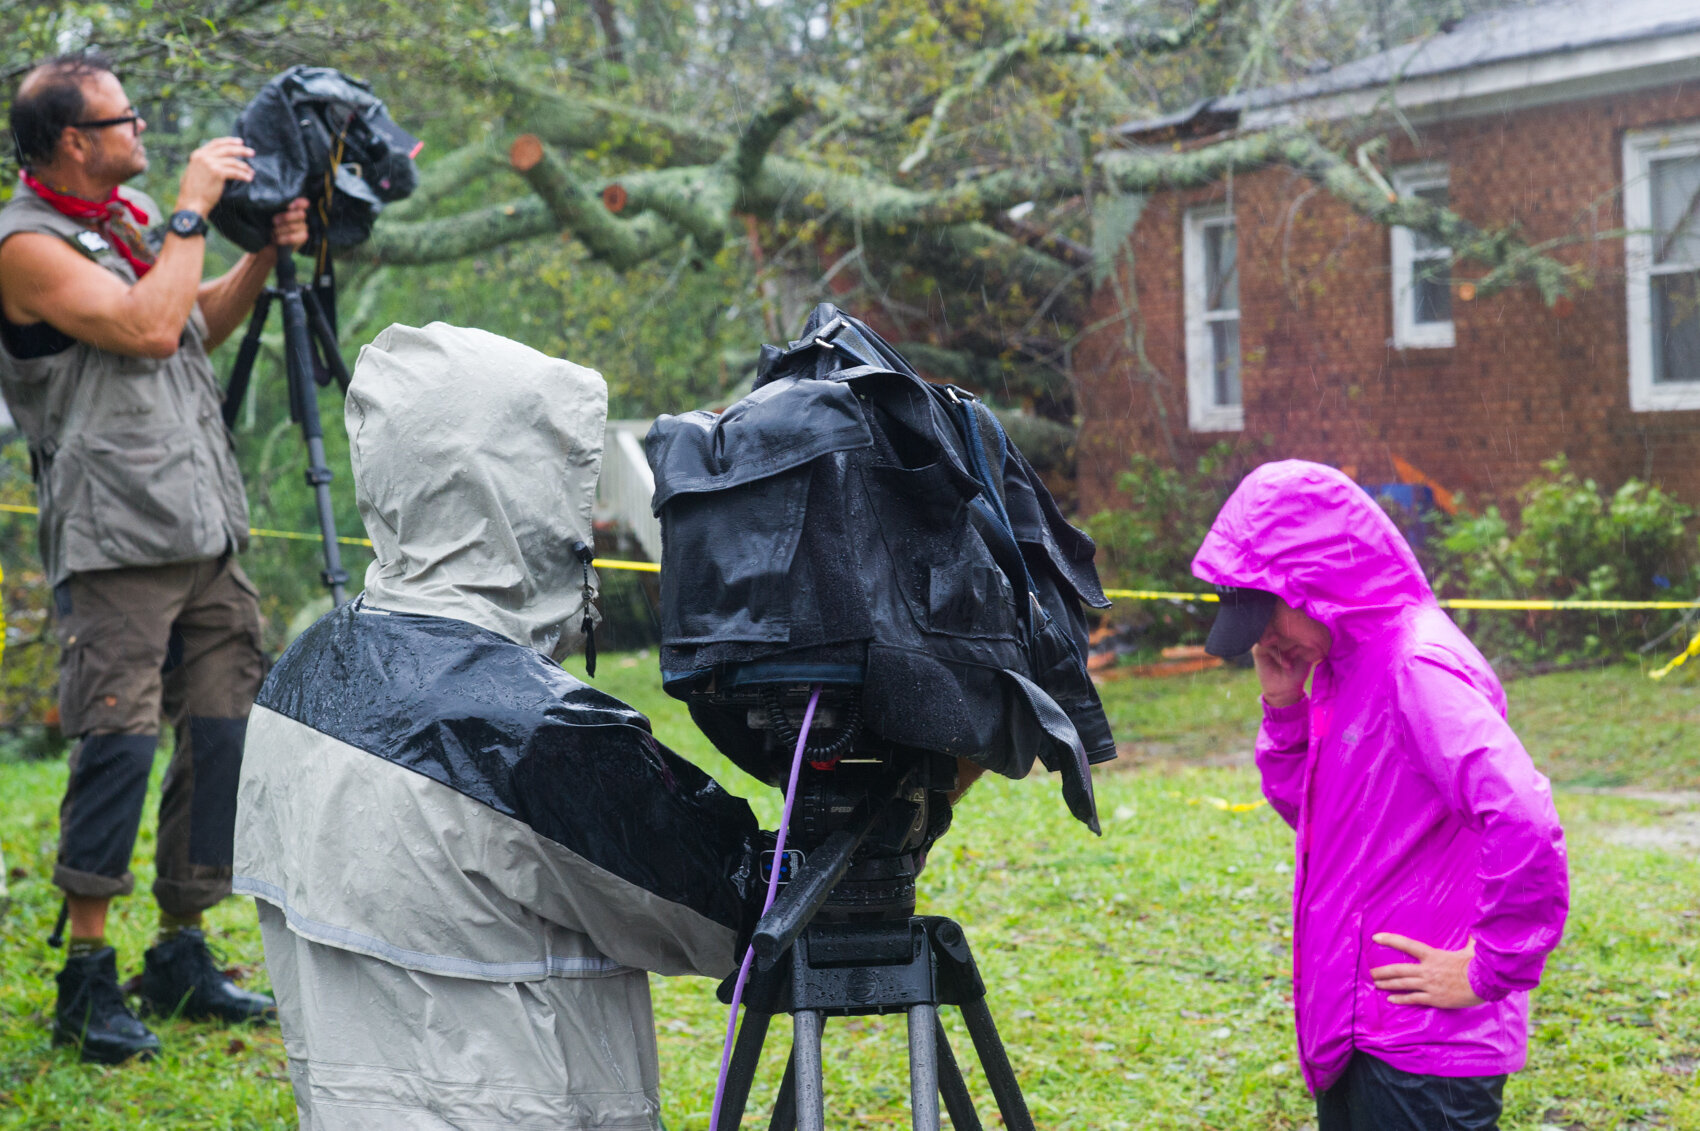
(1243, 615)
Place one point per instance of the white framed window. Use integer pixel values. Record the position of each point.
(1422, 268)
(1210, 258)
(1661, 197)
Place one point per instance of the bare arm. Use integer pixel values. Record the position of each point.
(226, 300)
(44, 279)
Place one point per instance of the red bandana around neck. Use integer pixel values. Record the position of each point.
(118, 218)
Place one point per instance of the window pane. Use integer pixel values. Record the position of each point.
(1431, 293)
(1676, 328)
(1221, 268)
(1436, 195)
(1675, 184)
(1225, 362)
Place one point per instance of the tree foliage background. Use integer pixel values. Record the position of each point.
(700, 174)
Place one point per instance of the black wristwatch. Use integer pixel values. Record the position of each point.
(187, 224)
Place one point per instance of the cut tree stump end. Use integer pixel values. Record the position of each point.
(525, 153)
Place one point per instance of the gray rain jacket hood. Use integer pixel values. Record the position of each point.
(475, 467)
(466, 858)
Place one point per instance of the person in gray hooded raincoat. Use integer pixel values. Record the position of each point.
(465, 860)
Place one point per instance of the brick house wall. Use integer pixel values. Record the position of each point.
(1321, 379)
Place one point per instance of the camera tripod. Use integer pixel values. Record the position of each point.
(306, 328)
(814, 970)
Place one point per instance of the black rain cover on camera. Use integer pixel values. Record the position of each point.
(849, 517)
(317, 133)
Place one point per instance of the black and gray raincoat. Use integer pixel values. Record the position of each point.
(465, 859)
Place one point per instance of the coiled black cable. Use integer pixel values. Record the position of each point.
(781, 725)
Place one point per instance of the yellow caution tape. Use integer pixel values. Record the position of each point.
(1227, 806)
(1679, 659)
(298, 536)
(1478, 603)
(636, 567)
(1447, 603)
(1124, 594)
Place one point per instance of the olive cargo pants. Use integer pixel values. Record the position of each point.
(179, 640)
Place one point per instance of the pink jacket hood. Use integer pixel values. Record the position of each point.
(1315, 539)
(1416, 808)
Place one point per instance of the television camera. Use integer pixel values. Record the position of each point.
(852, 537)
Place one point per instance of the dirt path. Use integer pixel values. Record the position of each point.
(1676, 829)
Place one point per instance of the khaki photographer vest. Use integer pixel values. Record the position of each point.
(133, 464)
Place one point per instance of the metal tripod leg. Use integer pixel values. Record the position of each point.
(805, 1057)
(304, 408)
(995, 1061)
(742, 1071)
(957, 1101)
(785, 1105)
(939, 971)
(924, 1067)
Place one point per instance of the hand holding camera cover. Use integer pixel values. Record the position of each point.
(305, 125)
(465, 857)
(850, 523)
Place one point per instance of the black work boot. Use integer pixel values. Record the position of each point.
(180, 978)
(93, 1015)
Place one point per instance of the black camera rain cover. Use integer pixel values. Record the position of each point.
(849, 517)
(317, 133)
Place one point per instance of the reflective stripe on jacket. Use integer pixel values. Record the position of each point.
(1418, 812)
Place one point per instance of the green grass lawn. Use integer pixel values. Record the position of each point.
(1140, 978)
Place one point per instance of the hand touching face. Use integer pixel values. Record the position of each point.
(1291, 646)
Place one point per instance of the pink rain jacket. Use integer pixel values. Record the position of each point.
(1417, 810)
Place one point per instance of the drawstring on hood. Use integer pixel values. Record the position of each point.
(475, 467)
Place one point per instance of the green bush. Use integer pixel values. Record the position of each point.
(1572, 542)
(1149, 544)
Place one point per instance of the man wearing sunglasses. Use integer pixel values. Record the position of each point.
(105, 325)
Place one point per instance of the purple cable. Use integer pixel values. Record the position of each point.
(772, 891)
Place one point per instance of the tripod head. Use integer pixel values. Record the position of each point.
(866, 810)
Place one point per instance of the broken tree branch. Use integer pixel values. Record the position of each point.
(1000, 61)
(1509, 259)
(447, 175)
(578, 209)
(419, 242)
(764, 129)
(610, 126)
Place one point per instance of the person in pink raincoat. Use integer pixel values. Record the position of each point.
(1431, 881)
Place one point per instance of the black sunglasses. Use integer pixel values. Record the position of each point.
(101, 123)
